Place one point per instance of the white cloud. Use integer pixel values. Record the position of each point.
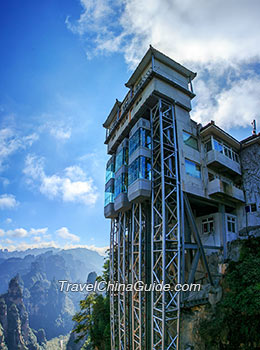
(235, 106)
(17, 233)
(218, 39)
(24, 246)
(56, 129)
(7, 201)
(7, 241)
(52, 244)
(38, 231)
(60, 133)
(71, 186)
(100, 250)
(199, 31)
(64, 233)
(11, 142)
(37, 239)
(22, 232)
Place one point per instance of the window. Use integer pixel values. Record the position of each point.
(142, 137)
(231, 224)
(208, 146)
(121, 184)
(109, 195)
(208, 225)
(190, 140)
(250, 208)
(121, 158)
(140, 168)
(218, 146)
(110, 171)
(211, 176)
(192, 169)
(222, 148)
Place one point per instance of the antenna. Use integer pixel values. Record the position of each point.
(254, 127)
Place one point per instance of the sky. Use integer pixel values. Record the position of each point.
(63, 64)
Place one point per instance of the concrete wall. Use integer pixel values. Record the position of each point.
(250, 162)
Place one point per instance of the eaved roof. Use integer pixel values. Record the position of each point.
(212, 129)
(112, 114)
(164, 59)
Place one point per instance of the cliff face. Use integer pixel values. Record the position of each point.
(15, 332)
(230, 317)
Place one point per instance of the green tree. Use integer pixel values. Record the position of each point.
(236, 322)
(93, 319)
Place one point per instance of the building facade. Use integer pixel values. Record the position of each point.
(176, 192)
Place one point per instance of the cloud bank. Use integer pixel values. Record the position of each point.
(71, 186)
(219, 39)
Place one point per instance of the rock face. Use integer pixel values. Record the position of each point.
(47, 307)
(15, 332)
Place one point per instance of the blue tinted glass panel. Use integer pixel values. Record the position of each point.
(190, 140)
(109, 195)
(218, 146)
(110, 172)
(192, 169)
(134, 142)
(121, 184)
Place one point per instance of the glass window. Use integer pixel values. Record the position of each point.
(231, 224)
(192, 169)
(140, 168)
(134, 142)
(253, 207)
(218, 146)
(145, 138)
(121, 158)
(109, 195)
(208, 225)
(142, 137)
(110, 171)
(208, 146)
(190, 140)
(121, 184)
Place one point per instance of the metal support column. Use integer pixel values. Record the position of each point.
(165, 245)
(138, 305)
(113, 279)
(121, 269)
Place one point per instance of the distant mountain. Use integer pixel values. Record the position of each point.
(47, 306)
(15, 331)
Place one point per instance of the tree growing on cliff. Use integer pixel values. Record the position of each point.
(93, 319)
(236, 322)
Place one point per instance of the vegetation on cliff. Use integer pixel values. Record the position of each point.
(92, 322)
(235, 324)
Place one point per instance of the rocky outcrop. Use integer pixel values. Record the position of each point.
(15, 332)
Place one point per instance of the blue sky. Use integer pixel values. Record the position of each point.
(63, 64)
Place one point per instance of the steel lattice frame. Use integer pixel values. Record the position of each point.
(122, 269)
(165, 244)
(113, 279)
(138, 269)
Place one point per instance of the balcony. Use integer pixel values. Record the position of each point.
(220, 189)
(222, 163)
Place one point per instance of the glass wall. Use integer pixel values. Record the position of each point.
(110, 171)
(121, 158)
(190, 140)
(142, 137)
(121, 184)
(140, 168)
(192, 169)
(109, 195)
